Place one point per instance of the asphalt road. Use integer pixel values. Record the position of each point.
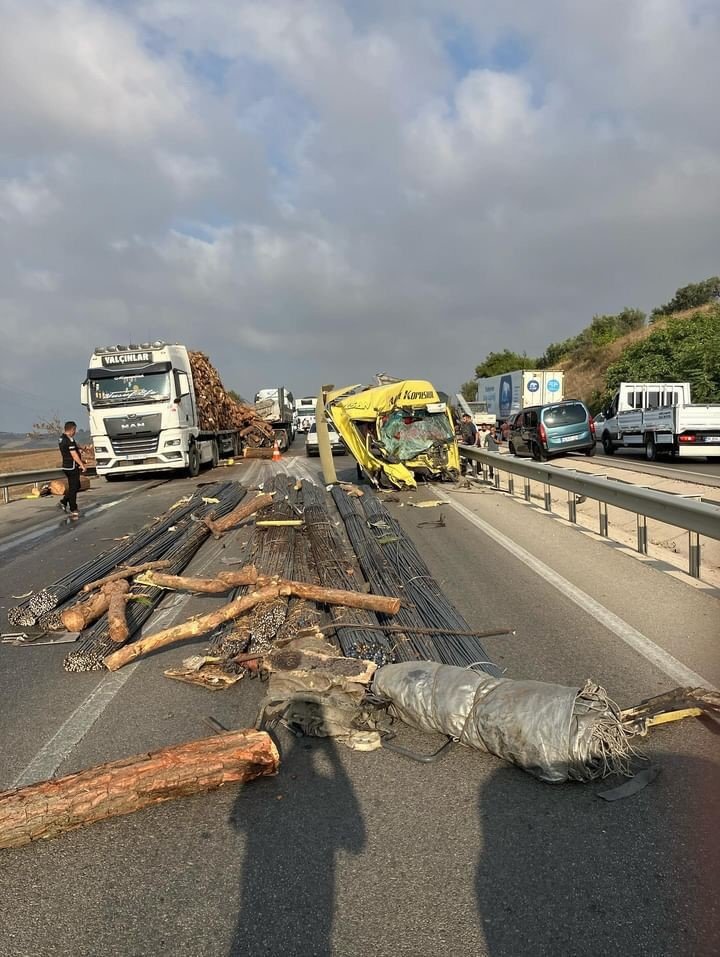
(688, 470)
(355, 854)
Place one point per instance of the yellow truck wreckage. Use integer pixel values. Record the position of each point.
(397, 433)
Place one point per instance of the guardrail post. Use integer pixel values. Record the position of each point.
(602, 509)
(511, 484)
(572, 508)
(6, 494)
(496, 479)
(527, 489)
(694, 554)
(642, 540)
(548, 498)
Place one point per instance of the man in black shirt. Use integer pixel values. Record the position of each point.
(72, 466)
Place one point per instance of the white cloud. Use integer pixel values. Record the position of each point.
(312, 189)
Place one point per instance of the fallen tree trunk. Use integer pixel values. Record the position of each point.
(60, 486)
(266, 592)
(84, 613)
(50, 808)
(117, 621)
(239, 514)
(128, 571)
(210, 586)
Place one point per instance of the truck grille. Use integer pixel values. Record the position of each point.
(128, 444)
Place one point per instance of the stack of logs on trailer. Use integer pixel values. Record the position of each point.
(218, 411)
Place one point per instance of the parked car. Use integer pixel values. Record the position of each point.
(311, 442)
(543, 431)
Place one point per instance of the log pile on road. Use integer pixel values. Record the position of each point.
(219, 411)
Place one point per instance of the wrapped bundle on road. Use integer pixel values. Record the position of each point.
(554, 732)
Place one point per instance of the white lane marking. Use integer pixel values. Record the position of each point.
(73, 730)
(644, 646)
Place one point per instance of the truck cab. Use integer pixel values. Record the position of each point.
(142, 409)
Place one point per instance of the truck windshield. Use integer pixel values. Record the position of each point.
(407, 434)
(125, 389)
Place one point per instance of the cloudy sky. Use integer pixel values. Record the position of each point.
(317, 191)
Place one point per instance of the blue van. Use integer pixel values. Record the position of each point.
(554, 429)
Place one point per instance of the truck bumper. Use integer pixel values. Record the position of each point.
(167, 461)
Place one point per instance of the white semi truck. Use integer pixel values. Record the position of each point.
(143, 412)
(305, 409)
(657, 418)
(512, 392)
(277, 406)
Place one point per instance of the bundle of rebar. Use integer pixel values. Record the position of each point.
(333, 561)
(178, 547)
(29, 611)
(393, 566)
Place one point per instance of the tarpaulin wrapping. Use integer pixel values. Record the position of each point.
(555, 732)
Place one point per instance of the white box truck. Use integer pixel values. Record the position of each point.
(143, 412)
(305, 409)
(512, 392)
(659, 417)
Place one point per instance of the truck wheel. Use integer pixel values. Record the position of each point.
(113, 478)
(650, 448)
(215, 456)
(193, 469)
(607, 444)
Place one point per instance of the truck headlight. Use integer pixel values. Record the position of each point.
(173, 442)
(100, 448)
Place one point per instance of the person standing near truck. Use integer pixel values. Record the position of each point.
(72, 466)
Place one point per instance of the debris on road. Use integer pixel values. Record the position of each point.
(50, 808)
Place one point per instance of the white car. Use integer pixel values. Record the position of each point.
(336, 443)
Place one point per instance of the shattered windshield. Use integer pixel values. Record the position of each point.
(408, 433)
(124, 389)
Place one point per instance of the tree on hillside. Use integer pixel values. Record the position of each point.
(468, 390)
(683, 350)
(690, 297)
(497, 363)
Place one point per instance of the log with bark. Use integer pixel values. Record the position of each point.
(222, 582)
(50, 808)
(265, 592)
(60, 486)
(127, 571)
(117, 621)
(79, 616)
(238, 515)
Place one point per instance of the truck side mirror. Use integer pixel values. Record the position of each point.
(85, 394)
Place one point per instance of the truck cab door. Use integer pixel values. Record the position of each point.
(183, 397)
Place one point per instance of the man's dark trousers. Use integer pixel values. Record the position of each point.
(70, 497)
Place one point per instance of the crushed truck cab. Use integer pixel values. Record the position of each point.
(397, 433)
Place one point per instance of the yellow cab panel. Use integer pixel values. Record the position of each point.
(398, 432)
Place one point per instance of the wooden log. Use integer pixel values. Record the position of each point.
(128, 571)
(266, 592)
(239, 514)
(50, 808)
(117, 622)
(79, 616)
(250, 453)
(189, 629)
(209, 586)
(340, 596)
(60, 486)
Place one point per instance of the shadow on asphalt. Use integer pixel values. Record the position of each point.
(293, 836)
(562, 872)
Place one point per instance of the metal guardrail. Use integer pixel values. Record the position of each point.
(33, 477)
(696, 517)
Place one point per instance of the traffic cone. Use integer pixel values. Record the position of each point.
(276, 457)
